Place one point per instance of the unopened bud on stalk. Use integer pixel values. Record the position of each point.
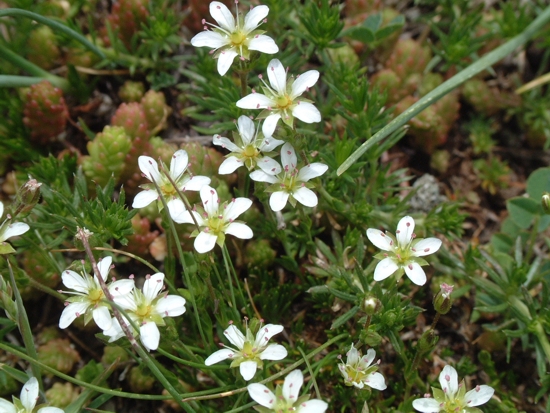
(370, 305)
(442, 300)
(546, 202)
(93, 240)
(370, 338)
(28, 196)
(427, 341)
(6, 302)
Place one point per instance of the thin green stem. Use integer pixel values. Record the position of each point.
(317, 392)
(446, 87)
(230, 282)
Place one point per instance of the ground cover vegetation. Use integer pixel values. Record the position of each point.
(277, 206)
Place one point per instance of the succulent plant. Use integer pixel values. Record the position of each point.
(58, 354)
(42, 48)
(259, 253)
(45, 112)
(140, 381)
(139, 241)
(131, 91)
(126, 18)
(107, 155)
(131, 117)
(61, 395)
(156, 110)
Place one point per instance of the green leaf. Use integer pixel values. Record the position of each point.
(522, 211)
(6, 248)
(373, 22)
(538, 183)
(345, 317)
(362, 34)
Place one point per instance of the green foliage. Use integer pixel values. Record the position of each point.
(321, 20)
(371, 30)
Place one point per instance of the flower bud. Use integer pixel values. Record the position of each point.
(546, 202)
(370, 338)
(370, 305)
(6, 301)
(28, 196)
(442, 300)
(427, 341)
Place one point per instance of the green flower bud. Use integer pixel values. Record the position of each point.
(546, 202)
(370, 305)
(28, 196)
(427, 341)
(442, 300)
(370, 338)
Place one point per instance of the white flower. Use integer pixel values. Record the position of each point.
(27, 401)
(89, 298)
(216, 221)
(290, 183)
(184, 182)
(402, 252)
(147, 309)
(281, 100)
(287, 398)
(235, 37)
(249, 148)
(358, 372)
(250, 351)
(454, 398)
(8, 230)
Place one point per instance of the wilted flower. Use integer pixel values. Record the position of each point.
(8, 230)
(216, 220)
(89, 299)
(358, 372)
(250, 351)
(147, 309)
(287, 398)
(27, 401)
(282, 99)
(183, 181)
(235, 37)
(453, 397)
(249, 149)
(402, 252)
(290, 183)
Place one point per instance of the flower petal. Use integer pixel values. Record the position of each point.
(71, 312)
(209, 38)
(304, 82)
(219, 140)
(269, 165)
(266, 332)
(210, 200)
(50, 409)
(205, 242)
(480, 395)
(144, 198)
(426, 405)
(29, 394)
(185, 218)
(368, 358)
(269, 144)
(261, 395)
(239, 230)
(263, 43)
(102, 317)
(274, 352)
(225, 59)
(2, 213)
(178, 164)
(74, 281)
(384, 269)
(270, 123)
(277, 76)
(405, 230)
(261, 176)
(218, 356)
(415, 273)
(288, 157)
(254, 17)
(235, 208)
(149, 335)
(195, 183)
(171, 306)
(306, 112)
(306, 197)
(153, 285)
(312, 171)
(448, 378)
(104, 267)
(230, 165)
(379, 239)
(15, 229)
(255, 101)
(246, 129)
(426, 247)
(121, 287)
(235, 336)
(248, 369)
(376, 381)
(292, 385)
(278, 200)
(352, 355)
(175, 207)
(313, 406)
(6, 406)
(222, 15)
(150, 168)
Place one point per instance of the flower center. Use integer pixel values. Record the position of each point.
(237, 38)
(283, 102)
(216, 224)
(249, 351)
(95, 295)
(168, 189)
(453, 406)
(143, 311)
(250, 151)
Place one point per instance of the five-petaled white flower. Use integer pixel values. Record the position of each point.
(216, 221)
(147, 309)
(282, 100)
(184, 182)
(402, 252)
(27, 401)
(250, 351)
(235, 37)
(290, 183)
(249, 149)
(89, 298)
(454, 398)
(358, 372)
(287, 398)
(8, 230)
